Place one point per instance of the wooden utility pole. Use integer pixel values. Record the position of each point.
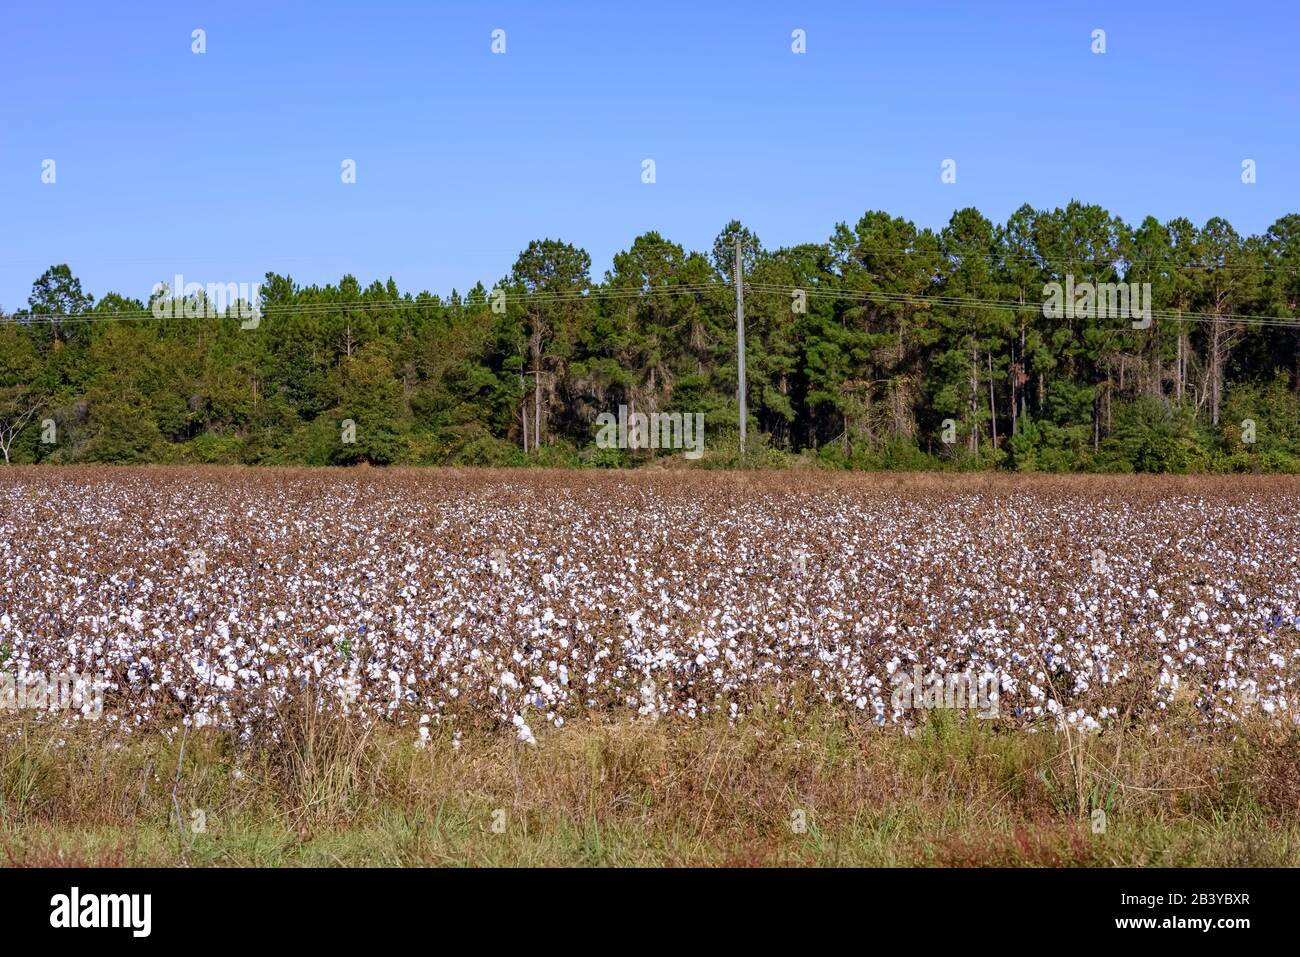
(740, 344)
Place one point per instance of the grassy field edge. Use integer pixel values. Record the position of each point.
(820, 789)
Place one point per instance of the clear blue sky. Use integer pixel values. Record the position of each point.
(226, 165)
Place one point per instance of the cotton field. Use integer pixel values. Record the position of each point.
(210, 596)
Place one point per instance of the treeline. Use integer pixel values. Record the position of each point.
(885, 346)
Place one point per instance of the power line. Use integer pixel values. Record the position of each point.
(1110, 259)
(1008, 304)
(386, 304)
(639, 294)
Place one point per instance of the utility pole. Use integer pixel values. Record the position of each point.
(740, 344)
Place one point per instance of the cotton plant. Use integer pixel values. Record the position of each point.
(419, 597)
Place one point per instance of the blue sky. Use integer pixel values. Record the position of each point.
(225, 165)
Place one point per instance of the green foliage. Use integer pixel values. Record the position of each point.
(212, 449)
(486, 450)
(371, 414)
(883, 347)
(1151, 438)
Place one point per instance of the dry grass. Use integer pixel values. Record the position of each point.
(670, 792)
